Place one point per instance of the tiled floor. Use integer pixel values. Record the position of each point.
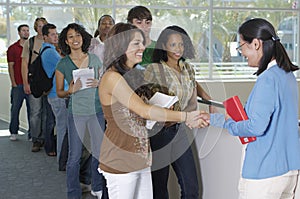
(27, 175)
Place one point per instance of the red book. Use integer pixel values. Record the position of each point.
(235, 110)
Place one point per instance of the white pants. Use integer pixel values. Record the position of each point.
(134, 185)
(279, 187)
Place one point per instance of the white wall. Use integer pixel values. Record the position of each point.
(5, 102)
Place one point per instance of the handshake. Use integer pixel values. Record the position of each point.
(197, 119)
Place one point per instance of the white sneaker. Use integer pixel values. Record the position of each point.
(13, 137)
(97, 193)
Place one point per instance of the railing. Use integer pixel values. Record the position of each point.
(3, 68)
(220, 70)
(224, 70)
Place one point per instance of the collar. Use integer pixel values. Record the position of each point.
(98, 39)
(48, 44)
(181, 64)
(272, 63)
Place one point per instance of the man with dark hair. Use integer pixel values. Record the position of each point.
(50, 57)
(17, 95)
(141, 17)
(105, 23)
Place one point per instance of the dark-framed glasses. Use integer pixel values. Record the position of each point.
(239, 48)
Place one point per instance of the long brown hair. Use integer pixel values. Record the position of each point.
(116, 45)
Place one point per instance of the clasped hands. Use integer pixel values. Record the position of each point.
(197, 119)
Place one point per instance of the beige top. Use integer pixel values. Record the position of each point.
(182, 83)
(125, 147)
(36, 47)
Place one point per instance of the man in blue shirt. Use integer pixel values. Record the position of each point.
(50, 57)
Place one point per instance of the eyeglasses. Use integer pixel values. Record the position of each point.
(239, 48)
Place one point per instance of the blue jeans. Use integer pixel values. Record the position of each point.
(17, 96)
(77, 126)
(60, 112)
(50, 139)
(171, 146)
(38, 117)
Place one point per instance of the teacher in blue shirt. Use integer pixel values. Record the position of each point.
(271, 163)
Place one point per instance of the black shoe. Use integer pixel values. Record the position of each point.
(36, 147)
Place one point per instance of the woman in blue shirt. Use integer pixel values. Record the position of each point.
(271, 163)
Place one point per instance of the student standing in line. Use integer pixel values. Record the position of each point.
(50, 58)
(125, 157)
(171, 145)
(17, 94)
(85, 112)
(272, 162)
(38, 112)
(105, 23)
(141, 17)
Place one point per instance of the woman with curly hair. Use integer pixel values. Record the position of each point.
(85, 112)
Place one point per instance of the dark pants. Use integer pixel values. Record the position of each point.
(50, 139)
(17, 97)
(171, 146)
(63, 155)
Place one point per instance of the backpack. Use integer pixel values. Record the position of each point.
(40, 83)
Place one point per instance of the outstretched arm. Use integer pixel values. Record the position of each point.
(113, 88)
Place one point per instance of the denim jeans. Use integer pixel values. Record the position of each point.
(50, 139)
(60, 112)
(38, 117)
(17, 96)
(171, 146)
(77, 126)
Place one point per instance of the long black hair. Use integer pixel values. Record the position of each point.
(159, 54)
(272, 48)
(86, 38)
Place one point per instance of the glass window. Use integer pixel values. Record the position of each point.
(215, 41)
(64, 2)
(164, 3)
(227, 61)
(255, 4)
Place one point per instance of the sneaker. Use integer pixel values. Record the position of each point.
(13, 137)
(36, 147)
(85, 187)
(98, 194)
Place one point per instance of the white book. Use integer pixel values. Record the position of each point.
(162, 100)
(83, 74)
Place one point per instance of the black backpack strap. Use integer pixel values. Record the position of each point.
(31, 43)
(44, 50)
(40, 54)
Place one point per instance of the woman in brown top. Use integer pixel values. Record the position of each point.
(125, 157)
